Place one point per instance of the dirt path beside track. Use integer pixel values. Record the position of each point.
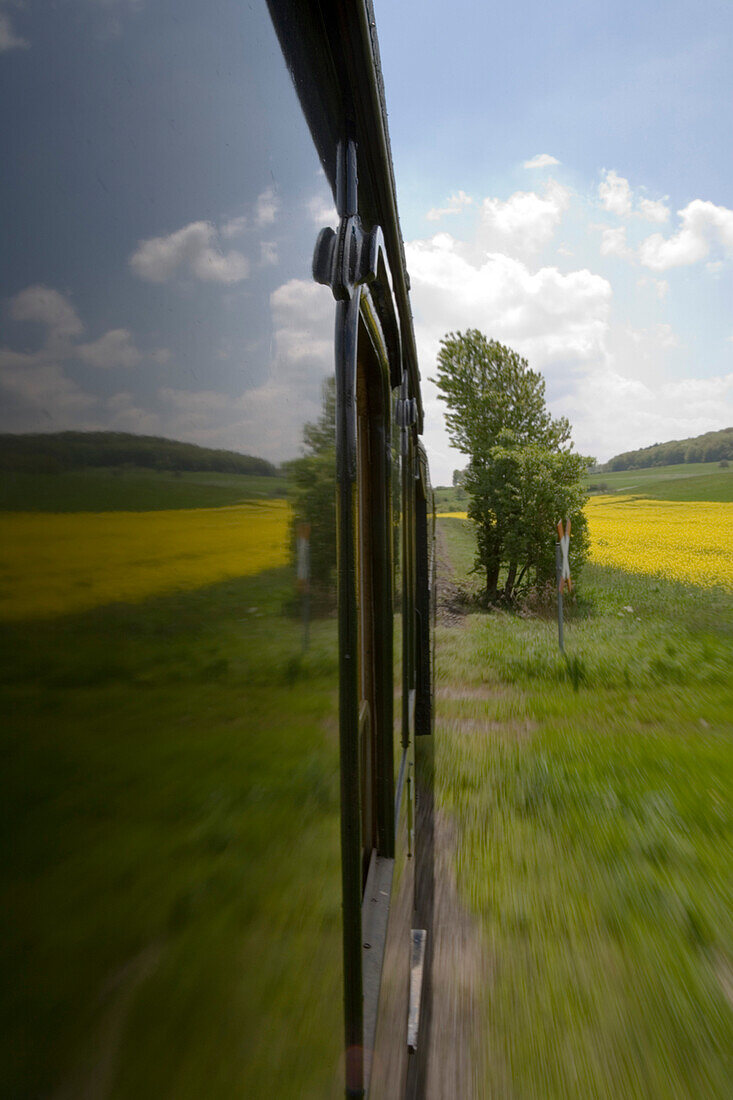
(462, 966)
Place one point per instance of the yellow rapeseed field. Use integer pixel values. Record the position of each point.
(688, 541)
(684, 540)
(51, 564)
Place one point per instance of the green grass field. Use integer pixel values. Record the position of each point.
(171, 889)
(130, 490)
(592, 799)
(450, 499)
(690, 481)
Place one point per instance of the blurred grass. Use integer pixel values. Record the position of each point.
(171, 888)
(459, 543)
(592, 797)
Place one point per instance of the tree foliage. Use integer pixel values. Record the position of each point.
(523, 476)
(313, 494)
(710, 447)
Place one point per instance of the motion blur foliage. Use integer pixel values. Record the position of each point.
(313, 497)
(523, 476)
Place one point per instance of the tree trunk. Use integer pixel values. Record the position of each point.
(520, 578)
(510, 579)
(492, 579)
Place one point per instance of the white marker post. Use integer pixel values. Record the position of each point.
(303, 573)
(562, 571)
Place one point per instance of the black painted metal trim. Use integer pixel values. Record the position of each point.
(347, 321)
(331, 49)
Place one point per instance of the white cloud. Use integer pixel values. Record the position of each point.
(322, 212)
(458, 201)
(608, 355)
(47, 307)
(615, 194)
(267, 419)
(525, 222)
(613, 242)
(266, 207)
(115, 349)
(39, 393)
(36, 388)
(653, 210)
(666, 336)
(542, 160)
(125, 415)
(612, 412)
(234, 227)
(302, 319)
(686, 247)
(268, 253)
(193, 248)
(704, 226)
(558, 321)
(9, 40)
(617, 198)
(552, 313)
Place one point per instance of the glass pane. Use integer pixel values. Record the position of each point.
(397, 597)
(166, 569)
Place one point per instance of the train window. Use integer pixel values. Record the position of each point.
(424, 603)
(398, 571)
(374, 590)
(213, 566)
(173, 908)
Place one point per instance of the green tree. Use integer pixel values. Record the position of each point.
(313, 495)
(523, 476)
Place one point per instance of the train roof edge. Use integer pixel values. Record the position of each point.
(332, 52)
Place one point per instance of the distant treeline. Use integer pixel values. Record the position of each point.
(710, 447)
(55, 451)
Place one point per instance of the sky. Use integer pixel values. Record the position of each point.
(161, 199)
(564, 183)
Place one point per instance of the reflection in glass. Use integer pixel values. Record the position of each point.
(397, 560)
(172, 884)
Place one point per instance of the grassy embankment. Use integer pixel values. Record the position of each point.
(171, 889)
(592, 801)
(690, 481)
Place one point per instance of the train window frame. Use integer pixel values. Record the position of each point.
(333, 55)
